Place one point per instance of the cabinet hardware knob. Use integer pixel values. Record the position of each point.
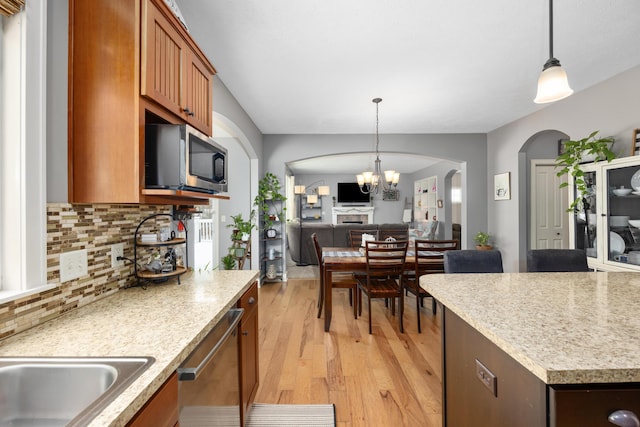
(252, 300)
(624, 418)
(188, 111)
(245, 333)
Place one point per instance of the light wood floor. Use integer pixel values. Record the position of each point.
(383, 379)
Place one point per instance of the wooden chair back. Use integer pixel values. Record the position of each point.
(399, 234)
(385, 259)
(318, 251)
(429, 255)
(355, 237)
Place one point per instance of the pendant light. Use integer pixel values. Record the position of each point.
(372, 182)
(552, 83)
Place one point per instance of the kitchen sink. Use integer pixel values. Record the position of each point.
(70, 391)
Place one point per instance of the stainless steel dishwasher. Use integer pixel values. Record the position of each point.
(208, 381)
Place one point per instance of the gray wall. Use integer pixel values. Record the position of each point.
(611, 107)
(468, 150)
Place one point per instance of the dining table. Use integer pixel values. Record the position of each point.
(348, 259)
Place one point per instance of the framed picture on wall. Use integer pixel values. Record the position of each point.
(502, 186)
(392, 195)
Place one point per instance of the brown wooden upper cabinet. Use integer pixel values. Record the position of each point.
(174, 72)
(130, 63)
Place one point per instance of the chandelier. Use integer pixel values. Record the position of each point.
(372, 182)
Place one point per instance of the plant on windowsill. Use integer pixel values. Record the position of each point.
(269, 192)
(574, 153)
(482, 241)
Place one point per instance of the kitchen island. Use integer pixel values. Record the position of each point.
(165, 321)
(539, 349)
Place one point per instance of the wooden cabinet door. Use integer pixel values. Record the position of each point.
(163, 55)
(198, 105)
(162, 409)
(588, 405)
(249, 361)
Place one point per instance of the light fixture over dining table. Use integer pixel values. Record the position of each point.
(371, 182)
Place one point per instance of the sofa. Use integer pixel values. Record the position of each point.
(328, 235)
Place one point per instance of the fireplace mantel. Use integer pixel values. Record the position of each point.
(362, 214)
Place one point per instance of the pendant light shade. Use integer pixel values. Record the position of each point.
(553, 84)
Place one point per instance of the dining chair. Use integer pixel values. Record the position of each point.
(383, 278)
(355, 237)
(473, 261)
(399, 234)
(429, 259)
(556, 260)
(338, 280)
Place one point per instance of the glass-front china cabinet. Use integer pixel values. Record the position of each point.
(608, 228)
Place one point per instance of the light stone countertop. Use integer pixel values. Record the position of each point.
(165, 321)
(566, 328)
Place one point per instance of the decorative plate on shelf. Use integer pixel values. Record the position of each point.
(635, 179)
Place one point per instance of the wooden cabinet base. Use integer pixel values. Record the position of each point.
(514, 397)
(162, 409)
(590, 405)
(249, 360)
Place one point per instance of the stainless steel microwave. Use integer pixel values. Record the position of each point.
(179, 157)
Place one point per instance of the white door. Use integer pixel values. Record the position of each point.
(549, 217)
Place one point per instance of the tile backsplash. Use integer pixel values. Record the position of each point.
(74, 227)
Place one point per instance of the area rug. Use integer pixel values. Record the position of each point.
(274, 415)
(306, 272)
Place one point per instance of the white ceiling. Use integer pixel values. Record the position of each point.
(441, 66)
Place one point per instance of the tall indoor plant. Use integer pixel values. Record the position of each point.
(269, 191)
(571, 159)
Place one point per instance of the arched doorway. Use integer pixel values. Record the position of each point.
(542, 212)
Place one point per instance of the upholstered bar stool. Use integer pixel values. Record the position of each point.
(473, 261)
(556, 260)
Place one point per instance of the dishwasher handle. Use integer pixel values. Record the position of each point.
(186, 373)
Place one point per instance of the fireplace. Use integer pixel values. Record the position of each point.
(352, 215)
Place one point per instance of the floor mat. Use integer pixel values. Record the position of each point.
(262, 415)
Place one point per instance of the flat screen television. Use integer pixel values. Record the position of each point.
(349, 192)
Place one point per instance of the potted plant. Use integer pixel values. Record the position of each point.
(482, 241)
(269, 192)
(575, 153)
(241, 227)
(228, 262)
